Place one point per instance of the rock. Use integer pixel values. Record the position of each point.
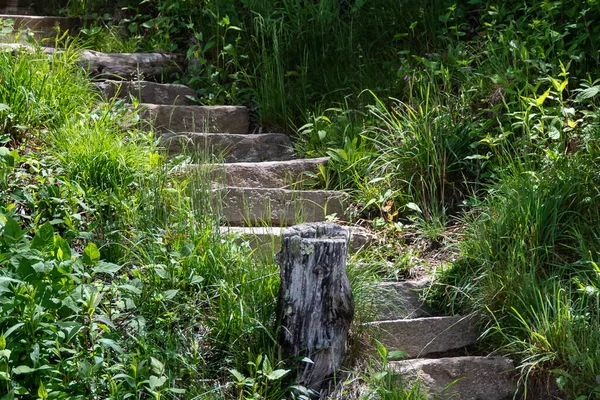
(462, 378)
(231, 148)
(267, 240)
(115, 65)
(398, 300)
(148, 92)
(277, 207)
(206, 119)
(268, 174)
(423, 336)
(130, 66)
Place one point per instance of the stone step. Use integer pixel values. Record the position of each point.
(148, 92)
(397, 300)
(268, 174)
(130, 66)
(278, 207)
(41, 27)
(230, 148)
(206, 119)
(122, 66)
(462, 378)
(420, 337)
(267, 240)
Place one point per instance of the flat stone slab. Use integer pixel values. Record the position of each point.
(41, 27)
(464, 378)
(148, 92)
(422, 336)
(268, 174)
(122, 66)
(267, 240)
(277, 207)
(132, 66)
(230, 148)
(396, 300)
(205, 119)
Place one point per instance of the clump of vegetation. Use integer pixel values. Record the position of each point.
(481, 114)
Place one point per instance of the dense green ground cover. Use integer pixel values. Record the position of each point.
(481, 114)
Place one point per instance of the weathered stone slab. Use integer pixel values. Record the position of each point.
(148, 92)
(278, 207)
(129, 66)
(422, 336)
(398, 300)
(207, 119)
(267, 240)
(41, 27)
(464, 378)
(268, 174)
(115, 65)
(231, 148)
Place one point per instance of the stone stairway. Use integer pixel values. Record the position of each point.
(437, 347)
(259, 185)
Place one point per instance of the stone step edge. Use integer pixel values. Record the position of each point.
(122, 66)
(466, 377)
(285, 174)
(243, 206)
(196, 118)
(147, 92)
(401, 300)
(419, 337)
(230, 147)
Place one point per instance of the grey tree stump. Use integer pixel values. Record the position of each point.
(315, 301)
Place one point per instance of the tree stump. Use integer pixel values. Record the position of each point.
(315, 301)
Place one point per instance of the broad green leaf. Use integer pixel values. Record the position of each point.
(12, 231)
(22, 369)
(63, 251)
(540, 100)
(157, 367)
(380, 375)
(156, 382)
(277, 374)
(587, 93)
(91, 254)
(12, 329)
(112, 344)
(2, 342)
(130, 289)
(237, 375)
(130, 381)
(414, 207)
(397, 354)
(44, 237)
(381, 350)
(104, 267)
(170, 294)
(42, 393)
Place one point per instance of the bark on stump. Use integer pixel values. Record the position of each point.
(315, 301)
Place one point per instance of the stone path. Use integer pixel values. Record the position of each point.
(260, 187)
(437, 347)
